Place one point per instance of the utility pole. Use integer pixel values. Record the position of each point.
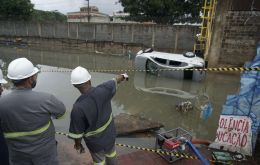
(88, 12)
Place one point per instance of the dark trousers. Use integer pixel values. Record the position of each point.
(4, 157)
(45, 158)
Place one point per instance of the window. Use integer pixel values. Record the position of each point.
(175, 63)
(160, 60)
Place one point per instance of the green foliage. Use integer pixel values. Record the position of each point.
(22, 10)
(48, 16)
(163, 11)
(15, 9)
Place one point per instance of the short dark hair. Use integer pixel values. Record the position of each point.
(81, 85)
(19, 82)
(78, 85)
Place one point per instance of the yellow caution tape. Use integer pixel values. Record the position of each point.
(229, 69)
(158, 151)
(234, 69)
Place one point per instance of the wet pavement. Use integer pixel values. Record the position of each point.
(67, 155)
(126, 156)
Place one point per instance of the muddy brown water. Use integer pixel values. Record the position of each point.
(150, 96)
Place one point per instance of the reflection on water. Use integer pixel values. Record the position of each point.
(162, 85)
(153, 97)
(65, 59)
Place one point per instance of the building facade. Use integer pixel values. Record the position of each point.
(88, 15)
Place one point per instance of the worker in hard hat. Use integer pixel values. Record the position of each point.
(26, 118)
(92, 118)
(3, 147)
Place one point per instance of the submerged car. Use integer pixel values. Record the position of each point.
(170, 64)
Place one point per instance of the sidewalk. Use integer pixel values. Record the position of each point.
(144, 157)
(67, 155)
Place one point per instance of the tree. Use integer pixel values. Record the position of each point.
(163, 11)
(15, 9)
(48, 16)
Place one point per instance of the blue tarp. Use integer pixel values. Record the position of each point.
(247, 101)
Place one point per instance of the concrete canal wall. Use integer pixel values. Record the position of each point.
(177, 38)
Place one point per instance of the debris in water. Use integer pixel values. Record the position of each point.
(184, 106)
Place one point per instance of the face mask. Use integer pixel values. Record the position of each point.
(34, 83)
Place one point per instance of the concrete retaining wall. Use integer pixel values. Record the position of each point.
(169, 38)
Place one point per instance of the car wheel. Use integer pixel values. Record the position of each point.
(151, 67)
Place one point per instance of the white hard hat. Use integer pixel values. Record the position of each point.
(2, 80)
(21, 68)
(80, 75)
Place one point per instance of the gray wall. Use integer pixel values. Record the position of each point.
(173, 38)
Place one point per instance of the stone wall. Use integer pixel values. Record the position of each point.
(234, 35)
(240, 37)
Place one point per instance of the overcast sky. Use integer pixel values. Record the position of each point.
(64, 6)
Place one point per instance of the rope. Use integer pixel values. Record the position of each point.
(158, 151)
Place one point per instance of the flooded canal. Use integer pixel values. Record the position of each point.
(147, 95)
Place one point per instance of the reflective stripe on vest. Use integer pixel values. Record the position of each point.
(10, 135)
(100, 163)
(113, 154)
(76, 136)
(101, 129)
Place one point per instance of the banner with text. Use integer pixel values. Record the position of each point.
(234, 134)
